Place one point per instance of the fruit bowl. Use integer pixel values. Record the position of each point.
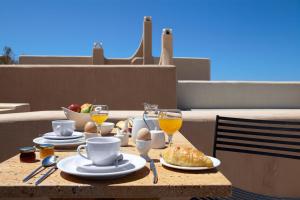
(82, 118)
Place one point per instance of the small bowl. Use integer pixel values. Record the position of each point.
(82, 118)
(107, 127)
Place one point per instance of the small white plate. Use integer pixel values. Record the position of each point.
(53, 136)
(62, 141)
(70, 165)
(216, 163)
(41, 140)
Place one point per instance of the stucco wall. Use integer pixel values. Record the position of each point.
(48, 87)
(187, 68)
(237, 94)
(55, 60)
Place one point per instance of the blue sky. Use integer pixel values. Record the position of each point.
(245, 39)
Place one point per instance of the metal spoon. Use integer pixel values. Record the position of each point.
(46, 162)
(152, 168)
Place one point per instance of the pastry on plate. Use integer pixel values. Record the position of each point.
(186, 157)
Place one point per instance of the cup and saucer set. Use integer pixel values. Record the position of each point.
(102, 160)
(63, 135)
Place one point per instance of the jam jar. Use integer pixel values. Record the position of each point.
(27, 154)
(46, 150)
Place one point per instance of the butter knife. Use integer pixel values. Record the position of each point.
(48, 173)
(153, 169)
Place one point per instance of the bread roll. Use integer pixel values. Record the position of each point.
(186, 157)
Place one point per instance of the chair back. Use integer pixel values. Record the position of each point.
(260, 156)
(261, 137)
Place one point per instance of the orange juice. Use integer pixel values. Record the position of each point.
(99, 118)
(170, 125)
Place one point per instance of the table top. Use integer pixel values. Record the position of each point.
(171, 183)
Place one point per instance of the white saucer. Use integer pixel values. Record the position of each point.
(53, 136)
(216, 163)
(90, 168)
(62, 141)
(70, 165)
(41, 140)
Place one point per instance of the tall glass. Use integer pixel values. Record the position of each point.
(99, 114)
(151, 115)
(170, 121)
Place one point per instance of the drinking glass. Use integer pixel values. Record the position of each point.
(170, 121)
(150, 112)
(99, 114)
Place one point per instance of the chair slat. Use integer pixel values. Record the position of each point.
(259, 146)
(258, 140)
(259, 121)
(259, 127)
(258, 152)
(257, 133)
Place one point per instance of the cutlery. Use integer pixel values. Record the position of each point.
(153, 169)
(145, 121)
(50, 171)
(46, 162)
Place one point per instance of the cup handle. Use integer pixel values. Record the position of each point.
(83, 146)
(58, 127)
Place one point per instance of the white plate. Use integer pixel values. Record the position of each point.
(90, 168)
(62, 141)
(53, 136)
(216, 163)
(70, 165)
(41, 140)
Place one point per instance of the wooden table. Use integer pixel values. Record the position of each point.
(171, 183)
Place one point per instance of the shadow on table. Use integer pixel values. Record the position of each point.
(205, 171)
(129, 178)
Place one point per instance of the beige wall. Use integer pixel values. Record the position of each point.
(237, 94)
(55, 60)
(187, 68)
(48, 87)
(192, 68)
(14, 107)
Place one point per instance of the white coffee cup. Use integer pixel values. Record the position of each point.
(63, 127)
(158, 139)
(101, 150)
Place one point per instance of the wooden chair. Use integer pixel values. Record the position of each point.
(259, 137)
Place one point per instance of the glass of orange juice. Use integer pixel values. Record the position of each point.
(170, 121)
(99, 114)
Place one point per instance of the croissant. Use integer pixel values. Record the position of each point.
(186, 157)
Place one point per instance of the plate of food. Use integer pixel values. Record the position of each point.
(187, 158)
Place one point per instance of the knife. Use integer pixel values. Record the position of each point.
(49, 172)
(153, 169)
